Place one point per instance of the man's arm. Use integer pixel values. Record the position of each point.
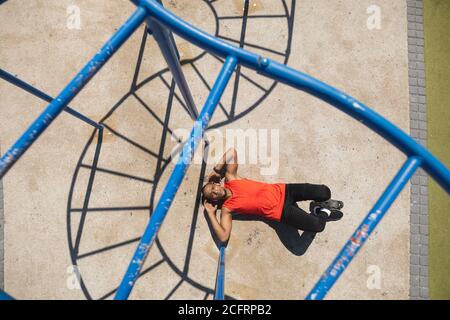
(226, 167)
(222, 229)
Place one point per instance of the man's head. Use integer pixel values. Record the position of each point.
(214, 192)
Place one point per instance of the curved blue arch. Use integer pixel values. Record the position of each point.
(154, 12)
(304, 82)
(416, 153)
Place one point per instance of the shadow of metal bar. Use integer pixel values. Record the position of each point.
(152, 267)
(114, 246)
(135, 208)
(43, 96)
(119, 174)
(88, 190)
(198, 196)
(134, 143)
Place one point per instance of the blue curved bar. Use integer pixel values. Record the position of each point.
(365, 229)
(220, 278)
(4, 296)
(304, 82)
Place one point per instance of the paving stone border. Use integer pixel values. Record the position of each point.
(418, 126)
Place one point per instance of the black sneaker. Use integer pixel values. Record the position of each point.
(332, 215)
(329, 204)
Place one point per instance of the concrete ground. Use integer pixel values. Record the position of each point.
(51, 228)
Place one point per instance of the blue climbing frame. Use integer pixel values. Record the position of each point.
(166, 22)
(42, 95)
(5, 296)
(220, 278)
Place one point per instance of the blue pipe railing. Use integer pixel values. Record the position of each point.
(220, 278)
(42, 95)
(178, 173)
(167, 45)
(4, 296)
(70, 91)
(151, 9)
(304, 82)
(366, 228)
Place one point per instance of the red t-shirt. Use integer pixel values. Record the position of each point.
(257, 198)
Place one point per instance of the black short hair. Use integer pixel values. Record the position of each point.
(203, 198)
(203, 192)
(203, 188)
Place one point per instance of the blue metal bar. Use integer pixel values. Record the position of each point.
(42, 95)
(167, 45)
(363, 232)
(195, 35)
(4, 296)
(175, 180)
(70, 91)
(220, 279)
(171, 36)
(304, 82)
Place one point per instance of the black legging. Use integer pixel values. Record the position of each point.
(298, 218)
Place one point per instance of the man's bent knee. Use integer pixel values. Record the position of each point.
(316, 227)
